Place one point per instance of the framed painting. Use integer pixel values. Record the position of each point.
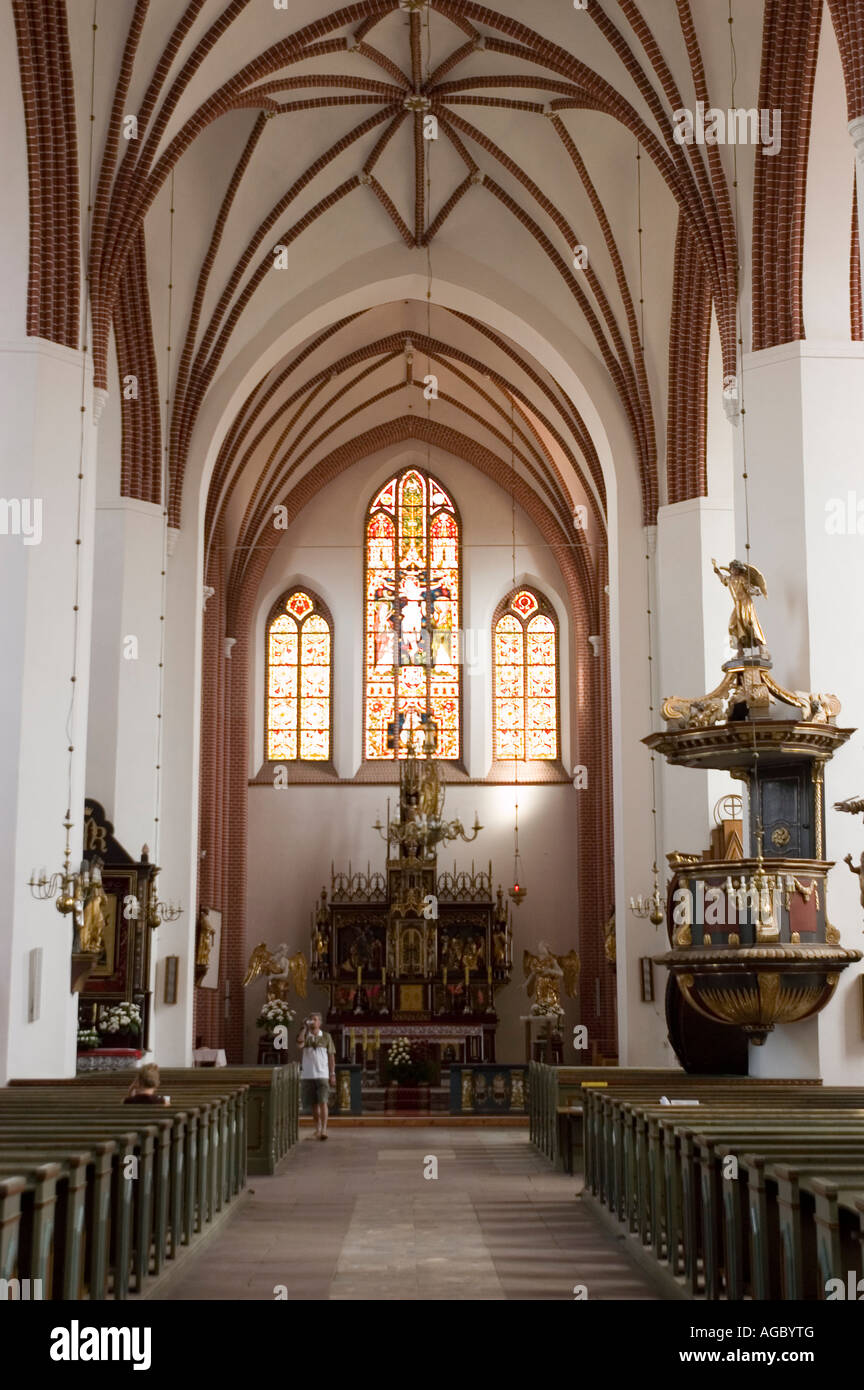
(172, 964)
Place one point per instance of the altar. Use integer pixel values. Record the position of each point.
(411, 952)
(447, 1043)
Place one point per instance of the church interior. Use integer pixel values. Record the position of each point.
(431, 539)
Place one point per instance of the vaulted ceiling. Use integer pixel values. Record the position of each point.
(222, 131)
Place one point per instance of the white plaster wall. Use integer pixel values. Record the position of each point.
(40, 404)
(805, 422)
(124, 691)
(296, 832)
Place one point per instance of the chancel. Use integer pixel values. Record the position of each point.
(432, 681)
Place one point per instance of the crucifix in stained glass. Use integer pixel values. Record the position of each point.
(412, 603)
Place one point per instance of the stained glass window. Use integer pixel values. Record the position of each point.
(525, 655)
(412, 618)
(299, 680)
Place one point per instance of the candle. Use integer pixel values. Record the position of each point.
(445, 976)
(466, 975)
(352, 1044)
(384, 975)
(377, 1038)
(364, 1039)
(489, 973)
(359, 973)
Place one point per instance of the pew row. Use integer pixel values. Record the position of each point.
(272, 1110)
(96, 1197)
(753, 1193)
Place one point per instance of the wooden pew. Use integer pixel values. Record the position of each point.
(189, 1164)
(659, 1172)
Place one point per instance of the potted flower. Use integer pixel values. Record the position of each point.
(120, 1024)
(274, 1014)
(408, 1073)
(88, 1038)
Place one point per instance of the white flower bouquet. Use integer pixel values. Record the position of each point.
(120, 1018)
(547, 1011)
(87, 1038)
(274, 1014)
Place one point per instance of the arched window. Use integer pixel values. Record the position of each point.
(525, 689)
(412, 617)
(299, 679)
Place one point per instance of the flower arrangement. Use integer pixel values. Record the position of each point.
(406, 1065)
(547, 1011)
(274, 1014)
(87, 1038)
(120, 1018)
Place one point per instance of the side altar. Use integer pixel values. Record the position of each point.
(412, 952)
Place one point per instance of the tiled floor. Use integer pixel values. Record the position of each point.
(355, 1218)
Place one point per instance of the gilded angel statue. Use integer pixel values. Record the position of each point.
(283, 970)
(744, 582)
(543, 975)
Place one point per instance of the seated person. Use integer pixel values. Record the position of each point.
(143, 1090)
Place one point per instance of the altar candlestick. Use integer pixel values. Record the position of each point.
(364, 1039)
(384, 975)
(377, 1038)
(352, 1044)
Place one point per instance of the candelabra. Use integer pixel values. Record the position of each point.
(158, 912)
(652, 907)
(68, 887)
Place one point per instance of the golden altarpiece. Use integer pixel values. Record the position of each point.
(412, 952)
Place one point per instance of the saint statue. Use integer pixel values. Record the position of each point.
(859, 872)
(470, 954)
(206, 937)
(743, 582)
(94, 922)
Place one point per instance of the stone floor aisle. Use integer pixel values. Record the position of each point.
(355, 1218)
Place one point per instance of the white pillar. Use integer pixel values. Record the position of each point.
(124, 685)
(692, 644)
(642, 1037)
(40, 460)
(804, 426)
(178, 840)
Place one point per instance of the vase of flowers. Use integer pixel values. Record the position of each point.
(119, 1025)
(274, 1014)
(408, 1072)
(88, 1038)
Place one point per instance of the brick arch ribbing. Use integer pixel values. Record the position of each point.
(590, 683)
(264, 492)
(847, 17)
(689, 340)
(856, 316)
(141, 453)
(54, 279)
(700, 191)
(790, 47)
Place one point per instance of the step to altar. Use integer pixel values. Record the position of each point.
(394, 1118)
(375, 1101)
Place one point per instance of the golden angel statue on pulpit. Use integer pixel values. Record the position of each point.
(544, 974)
(282, 969)
(744, 582)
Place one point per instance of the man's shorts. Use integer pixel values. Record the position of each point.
(314, 1090)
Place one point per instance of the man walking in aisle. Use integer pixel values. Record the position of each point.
(317, 1070)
